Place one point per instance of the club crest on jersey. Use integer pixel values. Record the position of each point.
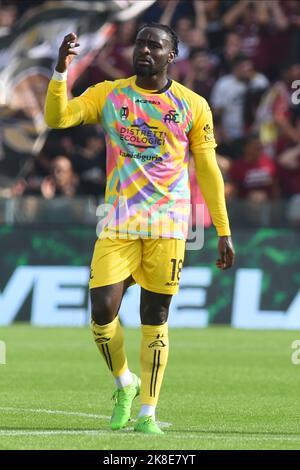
(124, 113)
(171, 116)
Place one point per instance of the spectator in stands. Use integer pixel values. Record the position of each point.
(289, 171)
(194, 38)
(56, 143)
(288, 161)
(291, 9)
(262, 27)
(89, 161)
(228, 101)
(62, 182)
(214, 12)
(200, 77)
(230, 51)
(190, 27)
(254, 177)
(8, 17)
(274, 116)
(166, 12)
(25, 5)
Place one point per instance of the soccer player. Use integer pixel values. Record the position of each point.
(151, 123)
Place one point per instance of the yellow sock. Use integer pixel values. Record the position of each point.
(110, 342)
(154, 357)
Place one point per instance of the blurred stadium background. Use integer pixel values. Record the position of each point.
(244, 58)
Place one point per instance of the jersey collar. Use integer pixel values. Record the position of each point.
(151, 92)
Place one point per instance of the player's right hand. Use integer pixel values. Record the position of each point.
(66, 52)
(226, 252)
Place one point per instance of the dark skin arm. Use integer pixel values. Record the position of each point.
(226, 253)
(66, 52)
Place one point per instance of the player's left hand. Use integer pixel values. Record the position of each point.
(226, 252)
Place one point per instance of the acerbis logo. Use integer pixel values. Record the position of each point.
(171, 116)
(147, 101)
(102, 339)
(158, 343)
(124, 112)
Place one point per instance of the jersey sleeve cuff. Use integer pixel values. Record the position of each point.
(60, 77)
(224, 232)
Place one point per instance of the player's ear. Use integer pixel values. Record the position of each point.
(171, 57)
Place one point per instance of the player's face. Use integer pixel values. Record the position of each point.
(152, 52)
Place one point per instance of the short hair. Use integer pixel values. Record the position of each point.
(197, 50)
(246, 140)
(173, 36)
(239, 59)
(288, 64)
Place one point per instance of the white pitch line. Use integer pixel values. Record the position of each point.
(52, 433)
(176, 434)
(170, 435)
(67, 413)
(54, 412)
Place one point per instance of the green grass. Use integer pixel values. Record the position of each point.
(223, 389)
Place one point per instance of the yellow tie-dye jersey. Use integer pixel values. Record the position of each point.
(148, 138)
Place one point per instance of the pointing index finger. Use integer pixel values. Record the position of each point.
(70, 37)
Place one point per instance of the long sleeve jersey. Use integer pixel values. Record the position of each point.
(149, 135)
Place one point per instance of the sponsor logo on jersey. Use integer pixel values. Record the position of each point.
(208, 133)
(141, 135)
(138, 100)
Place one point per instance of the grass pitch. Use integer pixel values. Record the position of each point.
(223, 389)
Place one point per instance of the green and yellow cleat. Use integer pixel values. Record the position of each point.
(123, 401)
(147, 425)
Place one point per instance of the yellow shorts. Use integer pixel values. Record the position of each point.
(155, 264)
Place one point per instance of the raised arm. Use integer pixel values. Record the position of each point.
(59, 112)
(232, 16)
(166, 17)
